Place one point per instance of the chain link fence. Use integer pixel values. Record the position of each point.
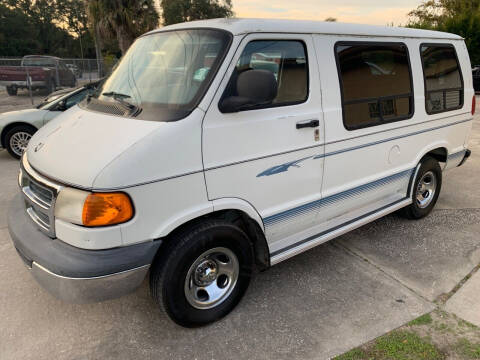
(46, 74)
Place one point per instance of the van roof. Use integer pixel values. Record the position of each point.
(239, 26)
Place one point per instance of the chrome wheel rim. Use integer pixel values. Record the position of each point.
(211, 278)
(426, 189)
(19, 142)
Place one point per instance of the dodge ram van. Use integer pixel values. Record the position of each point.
(217, 148)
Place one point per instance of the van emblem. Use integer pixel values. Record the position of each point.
(38, 147)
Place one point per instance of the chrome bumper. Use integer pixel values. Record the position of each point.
(92, 289)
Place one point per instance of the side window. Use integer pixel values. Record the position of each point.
(443, 80)
(286, 59)
(376, 83)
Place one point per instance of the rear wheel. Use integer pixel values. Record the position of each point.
(426, 189)
(17, 138)
(12, 90)
(202, 273)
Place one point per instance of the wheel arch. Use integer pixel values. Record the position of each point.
(437, 150)
(10, 126)
(240, 213)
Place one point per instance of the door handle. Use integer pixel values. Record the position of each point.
(308, 123)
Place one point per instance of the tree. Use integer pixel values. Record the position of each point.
(37, 27)
(176, 11)
(460, 17)
(121, 19)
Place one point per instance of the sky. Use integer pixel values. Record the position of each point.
(376, 12)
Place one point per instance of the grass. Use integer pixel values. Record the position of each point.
(398, 345)
(422, 320)
(468, 349)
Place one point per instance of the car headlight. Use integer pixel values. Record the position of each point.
(93, 209)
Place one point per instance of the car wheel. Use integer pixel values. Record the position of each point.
(202, 272)
(12, 90)
(17, 138)
(426, 189)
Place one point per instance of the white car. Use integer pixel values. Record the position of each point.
(192, 164)
(17, 127)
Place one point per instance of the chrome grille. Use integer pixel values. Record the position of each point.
(39, 194)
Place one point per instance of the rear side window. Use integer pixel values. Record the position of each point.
(286, 59)
(443, 79)
(376, 83)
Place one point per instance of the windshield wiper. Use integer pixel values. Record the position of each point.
(121, 99)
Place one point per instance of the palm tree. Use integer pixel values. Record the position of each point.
(121, 19)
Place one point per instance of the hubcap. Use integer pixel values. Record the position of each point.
(211, 278)
(426, 189)
(19, 142)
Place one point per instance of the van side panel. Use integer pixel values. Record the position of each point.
(368, 170)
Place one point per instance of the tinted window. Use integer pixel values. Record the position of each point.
(75, 99)
(376, 83)
(443, 80)
(287, 60)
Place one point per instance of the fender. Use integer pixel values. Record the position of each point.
(181, 218)
(430, 147)
(241, 205)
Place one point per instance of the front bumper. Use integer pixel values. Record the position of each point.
(73, 274)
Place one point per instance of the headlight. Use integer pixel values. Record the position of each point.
(93, 209)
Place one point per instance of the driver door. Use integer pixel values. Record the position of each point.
(269, 156)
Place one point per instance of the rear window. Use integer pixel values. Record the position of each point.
(376, 83)
(443, 79)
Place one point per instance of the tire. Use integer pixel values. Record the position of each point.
(430, 176)
(51, 86)
(200, 252)
(17, 138)
(12, 90)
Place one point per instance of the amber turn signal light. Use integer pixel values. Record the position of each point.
(101, 209)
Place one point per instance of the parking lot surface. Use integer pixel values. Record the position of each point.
(316, 305)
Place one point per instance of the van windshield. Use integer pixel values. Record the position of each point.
(164, 75)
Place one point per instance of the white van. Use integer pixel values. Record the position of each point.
(219, 147)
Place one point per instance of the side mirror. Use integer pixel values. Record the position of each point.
(62, 105)
(254, 88)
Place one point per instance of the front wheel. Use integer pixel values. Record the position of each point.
(202, 273)
(426, 189)
(17, 139)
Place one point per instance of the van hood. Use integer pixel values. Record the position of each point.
(74, 147)
(96, 151)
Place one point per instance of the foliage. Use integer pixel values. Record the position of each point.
(176, 11)
(123, 20)
(50, 27)
(422, 320)
(468, 350)
(398, 345)
(460, 17)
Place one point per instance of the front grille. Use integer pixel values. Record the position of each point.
(39, 195)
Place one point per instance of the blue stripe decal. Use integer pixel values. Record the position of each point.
(282, 168)
(317, 204)
(277, 169)
(313, 237)
(389, 139)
